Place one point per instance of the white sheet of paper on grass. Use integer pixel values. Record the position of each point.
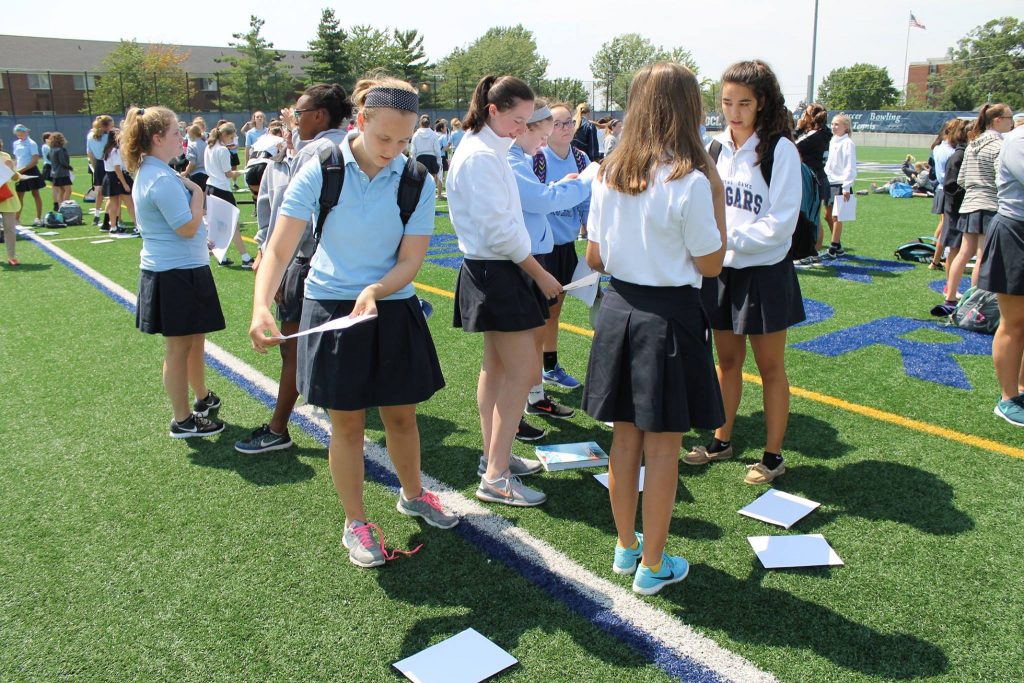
(603, 479)
(590, 172)
(783, 552)
(779, 508)
(336, 324)
(586, 293)
(101, 241)
(467, 657)
(221, 218)
(47, 234)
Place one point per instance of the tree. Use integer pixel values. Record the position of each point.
(411, 62)
(134, 74)
(371, 50)
(255, 77)
(988, 65)
(568, 90)
(328, 53)
(861, 86)
(617, 62)
(503, 50)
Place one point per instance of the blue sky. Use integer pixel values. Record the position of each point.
(568, 33)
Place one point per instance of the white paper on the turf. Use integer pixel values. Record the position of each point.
(781, 552)
(221, 218)
(47, 234)
(603, 479)
(100, 241)
(467, 657)
(590, 172)
(845, 209)
(586, 281)
(336, 324)
(585, 294)
(5, 174)
(779, 508)
(123, 236)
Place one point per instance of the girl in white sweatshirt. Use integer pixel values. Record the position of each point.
(841, 169)
(757, 294)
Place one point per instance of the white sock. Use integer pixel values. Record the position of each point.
(536, 394)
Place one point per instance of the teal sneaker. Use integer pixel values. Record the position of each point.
(1011, 410)
(626, 560)
(673, 570)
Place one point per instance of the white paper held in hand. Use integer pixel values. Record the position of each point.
(467, 657)
(336, 324)
(586, 281)
(845, 209)
(585, 294)
(783, 552)
(590, 172)
(221, 218)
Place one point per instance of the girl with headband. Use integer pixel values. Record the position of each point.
(364, 265)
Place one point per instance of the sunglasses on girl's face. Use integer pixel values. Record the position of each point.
(563, 124)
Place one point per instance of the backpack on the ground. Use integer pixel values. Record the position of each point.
(71, 212)
(977, 311)
(900, 190)
(540, 163)
(332, 170)
(52, 219)
(918, 252)
(805, 234)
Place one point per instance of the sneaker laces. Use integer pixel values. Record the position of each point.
(365, 538)
(430, 499)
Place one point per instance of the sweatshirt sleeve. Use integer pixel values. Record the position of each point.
(493, 209)
(536, 197)
(785, 193)
(263, 209)
(1011, 158)
(849, 170)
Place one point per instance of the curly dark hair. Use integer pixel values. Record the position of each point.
(773, 119)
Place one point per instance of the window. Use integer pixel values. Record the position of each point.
(208, 84)
(43, 112)
(933, 68)
(85, 82)
(38, 81)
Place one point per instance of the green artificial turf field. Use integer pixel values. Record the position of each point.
(129, 556)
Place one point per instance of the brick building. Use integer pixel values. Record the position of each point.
(918, 74)
(46, 76)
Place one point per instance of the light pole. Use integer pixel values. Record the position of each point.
(814, 56)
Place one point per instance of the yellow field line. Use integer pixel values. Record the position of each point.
(856, 408)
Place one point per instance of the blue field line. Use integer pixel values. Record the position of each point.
(679, 667)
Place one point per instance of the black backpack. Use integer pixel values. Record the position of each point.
(805, 235)
(333, 171)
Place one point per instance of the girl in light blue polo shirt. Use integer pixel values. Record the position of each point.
(177, 295)
(364, 264)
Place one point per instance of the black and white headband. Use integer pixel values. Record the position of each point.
(392, 98)
(540, 115)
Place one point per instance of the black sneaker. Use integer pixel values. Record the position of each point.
(203, 406)
(225, 262)
(195, 426)
(247, 265)
(263, 440)
(528, 432)
(550, 408)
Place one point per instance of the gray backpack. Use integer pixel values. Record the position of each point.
(72, 212)
(977, 311)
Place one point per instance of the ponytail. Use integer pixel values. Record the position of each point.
(987, 115)
(226, 128)
(504, 92)
(136, 136)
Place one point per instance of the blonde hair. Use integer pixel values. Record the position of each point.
(98, 124)
(195, 131)
(845, 120)
(577, 118)
(223, 129)
(365, 85)
(456, 124)
(665, 108)
(136, 137)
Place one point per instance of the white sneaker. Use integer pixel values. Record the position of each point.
(509, 490)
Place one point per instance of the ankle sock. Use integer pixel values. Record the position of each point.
(550, 360)
(717, 445)
(536, 394)
(951, 302)
(636, 544)
(656, 568)
(771, 460)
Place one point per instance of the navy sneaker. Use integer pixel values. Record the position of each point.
(195, 426)
(560, 377)
(263, 440)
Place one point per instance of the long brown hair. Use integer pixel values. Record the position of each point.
(987, 115)
(773, 119)
(136, 136)
(504, 92)
(664, 111)
(813, 118)
(956, 132)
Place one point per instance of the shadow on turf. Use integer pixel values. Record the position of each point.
(751, 613)
(805, 435)
(266, 469)
(25, 267)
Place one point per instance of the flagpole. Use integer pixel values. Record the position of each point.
(906, 57)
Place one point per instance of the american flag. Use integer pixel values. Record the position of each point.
(914, 23)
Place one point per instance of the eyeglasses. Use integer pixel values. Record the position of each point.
(563, 124)
(297, 113)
